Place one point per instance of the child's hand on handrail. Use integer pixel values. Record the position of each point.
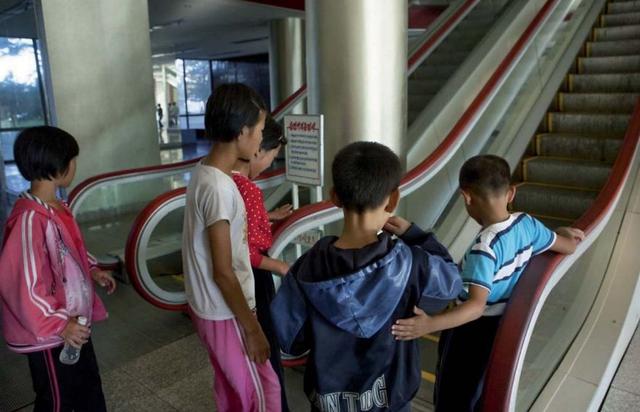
(281, 212)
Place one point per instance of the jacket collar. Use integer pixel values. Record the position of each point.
(44, 208)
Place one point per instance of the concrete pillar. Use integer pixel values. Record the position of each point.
(287, 70)
(356, 71)
(100, 80)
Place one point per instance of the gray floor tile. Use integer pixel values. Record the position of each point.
(626, 378)
(193, 393)
(620, 401)
(163, 367)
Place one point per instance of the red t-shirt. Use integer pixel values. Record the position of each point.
(258, 225)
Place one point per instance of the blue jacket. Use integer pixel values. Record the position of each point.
(341, 304)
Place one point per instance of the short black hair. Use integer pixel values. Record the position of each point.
(364, 174)
(44, 152)
(272, 135)
(231, 107)
(485, 175)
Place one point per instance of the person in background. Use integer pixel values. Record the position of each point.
(160, 114)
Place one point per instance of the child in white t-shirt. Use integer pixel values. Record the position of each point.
(218, 278)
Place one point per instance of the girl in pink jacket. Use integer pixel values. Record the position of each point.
(46, 277)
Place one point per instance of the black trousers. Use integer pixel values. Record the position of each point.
(463, 357)
(66, 388)
(265, 292)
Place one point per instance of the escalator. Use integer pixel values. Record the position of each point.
(571, 159)
(127, 192)
(518, 84)
(428, 78)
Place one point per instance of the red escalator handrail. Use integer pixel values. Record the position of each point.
(456, 133)
(510, 342)
(131, 249)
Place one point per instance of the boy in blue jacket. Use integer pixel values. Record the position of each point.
(341, 298)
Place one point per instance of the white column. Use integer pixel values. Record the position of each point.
(287, 69)
(357, 65)
(101, 80)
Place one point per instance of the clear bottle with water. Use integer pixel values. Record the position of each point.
(69, 354)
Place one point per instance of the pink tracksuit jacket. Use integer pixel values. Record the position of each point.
(37, 258)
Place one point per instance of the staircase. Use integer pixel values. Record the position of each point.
(569, 162)
(425, 82)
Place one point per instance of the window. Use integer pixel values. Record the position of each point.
(198, 78)
(21, 99)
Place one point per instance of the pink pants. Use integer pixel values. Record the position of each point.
(240, 385)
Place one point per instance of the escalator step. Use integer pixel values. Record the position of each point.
(447, 57)
(577, 146)
(430, 72)
(425, 86)
(581, 174)
(613, 48)
(617, 33)
(623, 7)
(607, 125)
(418, 101)
(607, 83)
(597, 102)
(610, 64)
(623, 19)
(552, 201)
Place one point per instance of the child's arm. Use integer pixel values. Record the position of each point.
(567, 240)
(220, 248)
(273, 265)
(101, 277)
(413, 235)
(281, 212)
(422, 324)
(441, 274)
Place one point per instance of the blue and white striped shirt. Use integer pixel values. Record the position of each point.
(499, 255)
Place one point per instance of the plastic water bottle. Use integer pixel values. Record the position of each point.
(69, 354)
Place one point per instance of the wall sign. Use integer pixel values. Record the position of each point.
(304, 154)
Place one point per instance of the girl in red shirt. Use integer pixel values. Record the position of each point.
(259, 234)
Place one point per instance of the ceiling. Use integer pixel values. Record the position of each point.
(206, 29)
(181, 28)
(210, 28)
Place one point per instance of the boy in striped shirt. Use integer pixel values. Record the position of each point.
(490, 270)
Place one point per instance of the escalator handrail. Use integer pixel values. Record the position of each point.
(325, 212)
(512, 337)
(131, 248)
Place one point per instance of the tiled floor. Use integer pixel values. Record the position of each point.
(624, 393)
